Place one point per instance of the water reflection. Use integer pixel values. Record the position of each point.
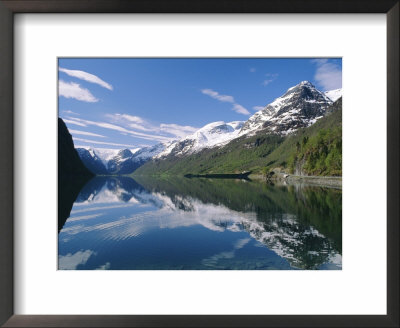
(119, 223)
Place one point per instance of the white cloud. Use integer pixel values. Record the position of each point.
(216, 95)
(87, 77)
(226, 98)
(74, 90)
(131, 118)
(136, 122)
(252, 70)
(123, 130)
(257, 108)
(266, 82)
(328, 74)
(240, 109)
(319, 61)
(100, 143)
(73, 122)
(271, 77)
(70, 112)
(180, 131)
(84, 133)
(140, 127)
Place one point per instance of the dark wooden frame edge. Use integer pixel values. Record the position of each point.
(10, 7)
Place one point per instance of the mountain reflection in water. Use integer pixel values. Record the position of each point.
(119, 223)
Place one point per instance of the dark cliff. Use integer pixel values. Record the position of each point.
(72, 174)
(69, 162)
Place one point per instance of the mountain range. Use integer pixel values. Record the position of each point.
(299, 107)
(113, 161)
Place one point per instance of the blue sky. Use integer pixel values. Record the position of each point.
(132, 102)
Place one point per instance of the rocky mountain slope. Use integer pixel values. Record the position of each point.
(214, 134)
(254, 152)
(113, 161)
(300, 106)
(92, 161)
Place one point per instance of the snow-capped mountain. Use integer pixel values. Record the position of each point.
(300, 106)
(92, 160)
(211, 135)
(151, 152)
(122, 163)
(334, 94)
(114, 161)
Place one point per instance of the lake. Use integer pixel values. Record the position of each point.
(118, 223)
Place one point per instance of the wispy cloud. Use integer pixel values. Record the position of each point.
(257, 108)
(74, 122)
(226, 98)
(180, 131)
(70, 112)
(328, 74)
(131, 118)
(140, 127)
(270, 77)
(266, 82)
(252, 69)
(84, 133)
(102, 143)
(218, 96)
(75, 91)
(87, 77)
(135, 122)
(240, 109)
(124, 130)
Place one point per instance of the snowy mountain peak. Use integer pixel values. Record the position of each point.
(300, 106)
(214, 134)
(125, 153)
(118, 161)
(307, 83)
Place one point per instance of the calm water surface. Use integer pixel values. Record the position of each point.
(118, 223)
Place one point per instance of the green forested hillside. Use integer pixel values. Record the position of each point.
(316, 150)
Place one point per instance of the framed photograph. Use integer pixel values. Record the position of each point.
(218, 164)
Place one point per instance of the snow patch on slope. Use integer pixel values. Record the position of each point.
(298, 107)
(334, 94)
(211, 135)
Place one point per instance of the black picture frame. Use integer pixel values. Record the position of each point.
(10, 7)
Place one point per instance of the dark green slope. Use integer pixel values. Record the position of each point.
(316, 150)
(239, 155)
(260, 151)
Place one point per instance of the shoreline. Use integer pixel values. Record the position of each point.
(321, 181)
